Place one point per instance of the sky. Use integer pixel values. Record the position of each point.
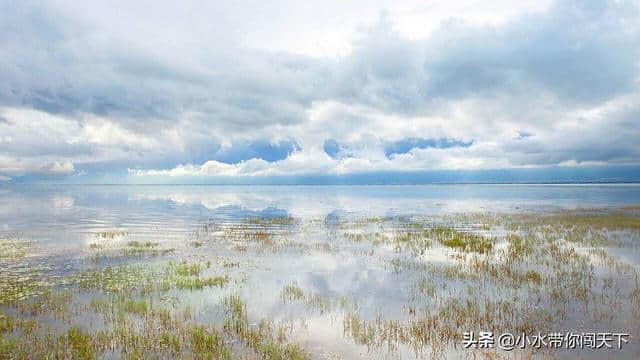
(203, 91)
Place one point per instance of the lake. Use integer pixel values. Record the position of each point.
(321, 272)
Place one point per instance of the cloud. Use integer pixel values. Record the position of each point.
(59, 168)
(524, 135)
(57, 63)
(11, 168)
(95, 89)
(404, 146)
(592, 61)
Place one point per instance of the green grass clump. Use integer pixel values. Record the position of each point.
(147, 279)
(140, 245)
(275, 351)
(81, 344)
(362, 332)
(8, 347)
(196, 244)
(440, 231)
(138, 307)
(110, 234)
(416, 242)
(13, 249)
(532, 276)
(187, 276)
(292, 292)
(187, 269)
(148, 248)
(171, 342)
(193, 282)
(115, 278)
(236, 310)
(468, 242)
(313, 301)
(131, 248)
(611, 220)
(520, 247)
(21, 281)
(100, 305)
(208, 344)
(6, 323)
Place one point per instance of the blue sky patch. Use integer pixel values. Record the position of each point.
(406, 145)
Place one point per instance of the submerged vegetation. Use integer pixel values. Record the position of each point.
(111, 234)
(386, 286)
(129, 249)
(13, 248)
(464, 241)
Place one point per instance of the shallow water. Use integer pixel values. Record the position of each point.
(240, 229)
(64, 215)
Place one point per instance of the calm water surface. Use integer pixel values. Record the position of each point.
(62, 221)
(78, 209)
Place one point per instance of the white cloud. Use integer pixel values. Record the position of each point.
(256, 89)
(59, 168)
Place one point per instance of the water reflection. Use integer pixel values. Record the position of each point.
(87, 208)
(358, 254)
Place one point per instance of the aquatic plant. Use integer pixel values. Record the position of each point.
(466, 242)
(111, 234)
(523, 272)
(292, 292)
(11, 248)
(208, 344)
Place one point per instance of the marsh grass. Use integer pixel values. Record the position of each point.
(541, 272)
(208, 344)
(540, 275)
(138, 325)
(426, 287)
(443, 325)
(192, 283)
(415, 241)
(185, 268)
(12, 249)
(268, 342)
(464, 241)
(21, 281)
(130, 249)
(418, 239)
(111, 234)
(6, 323)
(196, 244)
(313, 301)
(520, 247)
(248, 234)
(269, 233)
(271, 220)
(148, 248)
(292, 292)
